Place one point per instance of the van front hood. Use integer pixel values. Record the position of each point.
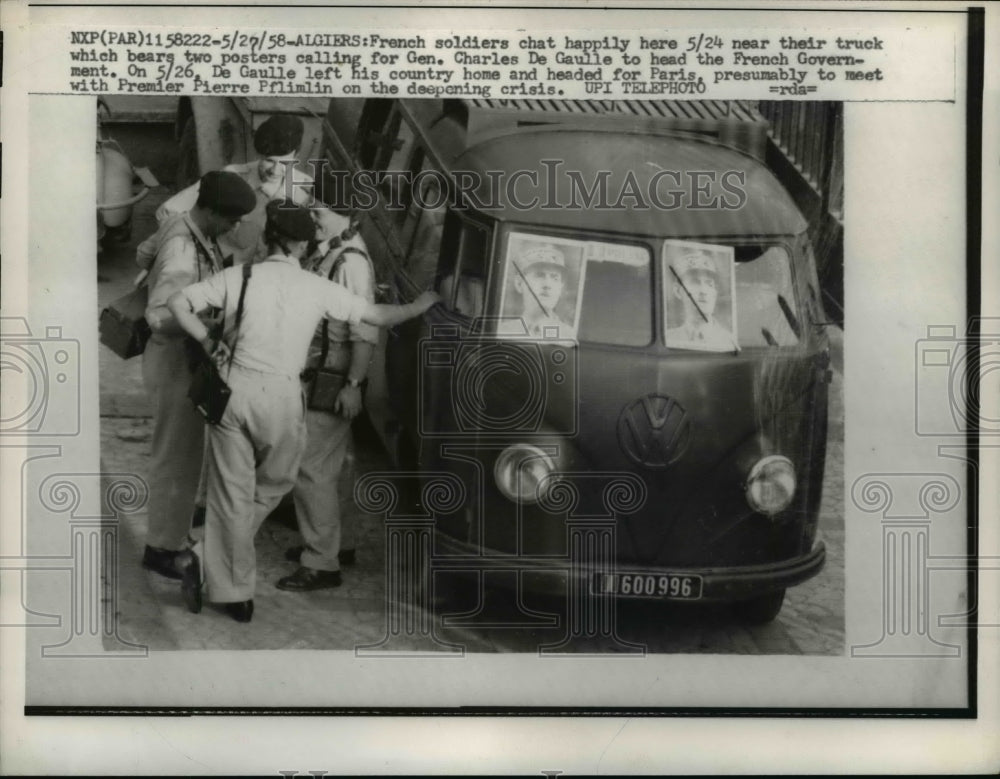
(691, 427)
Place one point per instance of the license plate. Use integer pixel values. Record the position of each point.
(648, 585)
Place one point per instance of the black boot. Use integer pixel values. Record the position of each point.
(241, 611)
(190, 569)
(162, 561)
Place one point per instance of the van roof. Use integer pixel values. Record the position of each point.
(628, 162)
(734, 123)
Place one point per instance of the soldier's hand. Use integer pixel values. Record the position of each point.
(221, 353)
(426, 299)
(348, 403)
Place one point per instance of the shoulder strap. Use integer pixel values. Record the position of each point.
(247, 272)
(337, 265)
(201, 249)
(342, 257)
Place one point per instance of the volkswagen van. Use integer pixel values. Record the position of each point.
(627, 378)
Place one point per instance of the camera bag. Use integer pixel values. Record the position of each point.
(122, 325)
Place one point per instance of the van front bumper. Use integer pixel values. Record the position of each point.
(550, 575)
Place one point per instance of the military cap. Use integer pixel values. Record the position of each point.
(543, 255)
(226, 193)
(288, 219)
(695, 260)
(278, 136)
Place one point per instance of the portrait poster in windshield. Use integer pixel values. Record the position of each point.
(700, 306)
(543, 281)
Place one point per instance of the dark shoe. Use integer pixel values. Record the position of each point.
(187, 563)
(162, 561)
(241, 611)
(198, 517)
(346, 557)
(308, 579)
(294, 553)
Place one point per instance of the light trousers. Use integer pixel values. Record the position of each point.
(177, 446)
(316, 492)
(253, 459)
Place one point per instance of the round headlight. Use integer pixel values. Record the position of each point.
(771, 484)
(520, 470)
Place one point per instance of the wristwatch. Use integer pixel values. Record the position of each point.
(354, 383)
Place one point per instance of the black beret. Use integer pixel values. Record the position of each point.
(287, 218)
(281, 134)
(226, 193)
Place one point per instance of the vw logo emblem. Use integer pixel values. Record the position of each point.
(654, 431)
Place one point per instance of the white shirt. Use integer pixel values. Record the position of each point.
(282, 308)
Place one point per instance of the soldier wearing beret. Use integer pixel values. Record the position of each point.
(183, 251)
(339, 253)
(277, 141)
(695, 288)
(256, 448)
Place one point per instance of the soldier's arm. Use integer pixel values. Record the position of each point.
(356, 275)
(386, 315)
(176, 267)
(343, 305)
(185, 305)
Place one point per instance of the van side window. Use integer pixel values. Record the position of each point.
(767, 308)
(464, 250)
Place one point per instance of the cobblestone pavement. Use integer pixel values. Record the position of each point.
(151, 612)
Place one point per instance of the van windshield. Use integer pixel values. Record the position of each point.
(716, 297)
(722, 297)
(597, 291)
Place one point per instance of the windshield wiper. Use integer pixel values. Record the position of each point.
(520, 273)
(793, 321)
(732, 340)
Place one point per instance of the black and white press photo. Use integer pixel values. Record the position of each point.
(651, 369)
(454, 361)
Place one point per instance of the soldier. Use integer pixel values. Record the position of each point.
(695, 287)
(340, 255)
(277, 141)
(256, 449)
(184, 250)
